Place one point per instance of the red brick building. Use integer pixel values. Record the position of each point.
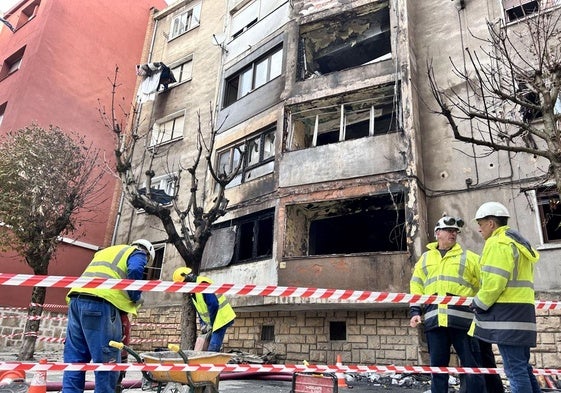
(56, 64)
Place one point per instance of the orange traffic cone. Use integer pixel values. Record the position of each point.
(7, 377)
(39, 381)
(341, 382)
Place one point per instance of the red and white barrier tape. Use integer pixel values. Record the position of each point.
(278, 368)
(241, 290)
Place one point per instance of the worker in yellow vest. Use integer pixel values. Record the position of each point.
(94, 314)
(447, 269)
(215, 312)
(504, 305)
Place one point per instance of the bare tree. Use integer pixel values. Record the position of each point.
(186, 221)
(46, 177)
(513, 81)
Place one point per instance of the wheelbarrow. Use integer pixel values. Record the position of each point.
(198, 381)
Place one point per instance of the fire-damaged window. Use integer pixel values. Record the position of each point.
(342, 118)
(550, 213)
(258, 159)
(245, 239)
(344, 41)
(367, 224)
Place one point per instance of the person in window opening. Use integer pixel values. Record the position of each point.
(447, 269)
(95, 316)
(504, 305)
(216, 314)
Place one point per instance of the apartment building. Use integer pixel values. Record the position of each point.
(345, 169)
(57, 62)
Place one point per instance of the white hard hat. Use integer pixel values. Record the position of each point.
(147, 246)
(449, 222)
(491, 209)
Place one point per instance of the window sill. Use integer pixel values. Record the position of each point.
(549, 246)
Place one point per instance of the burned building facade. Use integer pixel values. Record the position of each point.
(324, 106)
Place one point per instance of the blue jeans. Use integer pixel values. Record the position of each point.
(439, 341)
(91, 325)
(519, 371)
(215, 343)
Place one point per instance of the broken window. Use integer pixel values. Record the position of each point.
(255, 75)
(162, 189)
(549, 206)
(347, 40)
(258, 160)
(251, 239)
(518, 9)
(185, 21)
(366, 224)
(166, 130)
(337, 119)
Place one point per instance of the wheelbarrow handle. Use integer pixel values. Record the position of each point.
(177, 349)
(121, 346)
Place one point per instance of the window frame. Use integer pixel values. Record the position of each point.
(174, 134)
(234, 84)
(244, 146)
(154, 271)
(12, 63)
(180, 73)
(193, 20)
(516, 10)
(547, 193)
(3, 111)
(28, 13)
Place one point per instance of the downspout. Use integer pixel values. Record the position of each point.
(122, 198)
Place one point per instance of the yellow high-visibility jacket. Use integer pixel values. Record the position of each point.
(456, 273)
(111, 262)
(505, 312)
(225, 313)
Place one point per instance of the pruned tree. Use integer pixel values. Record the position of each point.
(512, 81)
(186, 221)
(47, 176)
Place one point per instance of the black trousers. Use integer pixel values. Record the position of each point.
(493, 382)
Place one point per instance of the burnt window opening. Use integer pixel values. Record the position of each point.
(268, 333)
(518, 9)
(368, 224)
(347, 40)
(154, 271)
(337, 119)
(251, 240)
(549, 206)
(337, 331)
(258, 159)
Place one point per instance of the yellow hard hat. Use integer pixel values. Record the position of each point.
(180, 273)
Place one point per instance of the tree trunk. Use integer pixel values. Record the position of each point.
(188, 323)
(32, 325)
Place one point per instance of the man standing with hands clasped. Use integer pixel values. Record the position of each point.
(447, 269)
(505, 303)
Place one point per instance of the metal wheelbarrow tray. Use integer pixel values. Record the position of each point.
(197, 378)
